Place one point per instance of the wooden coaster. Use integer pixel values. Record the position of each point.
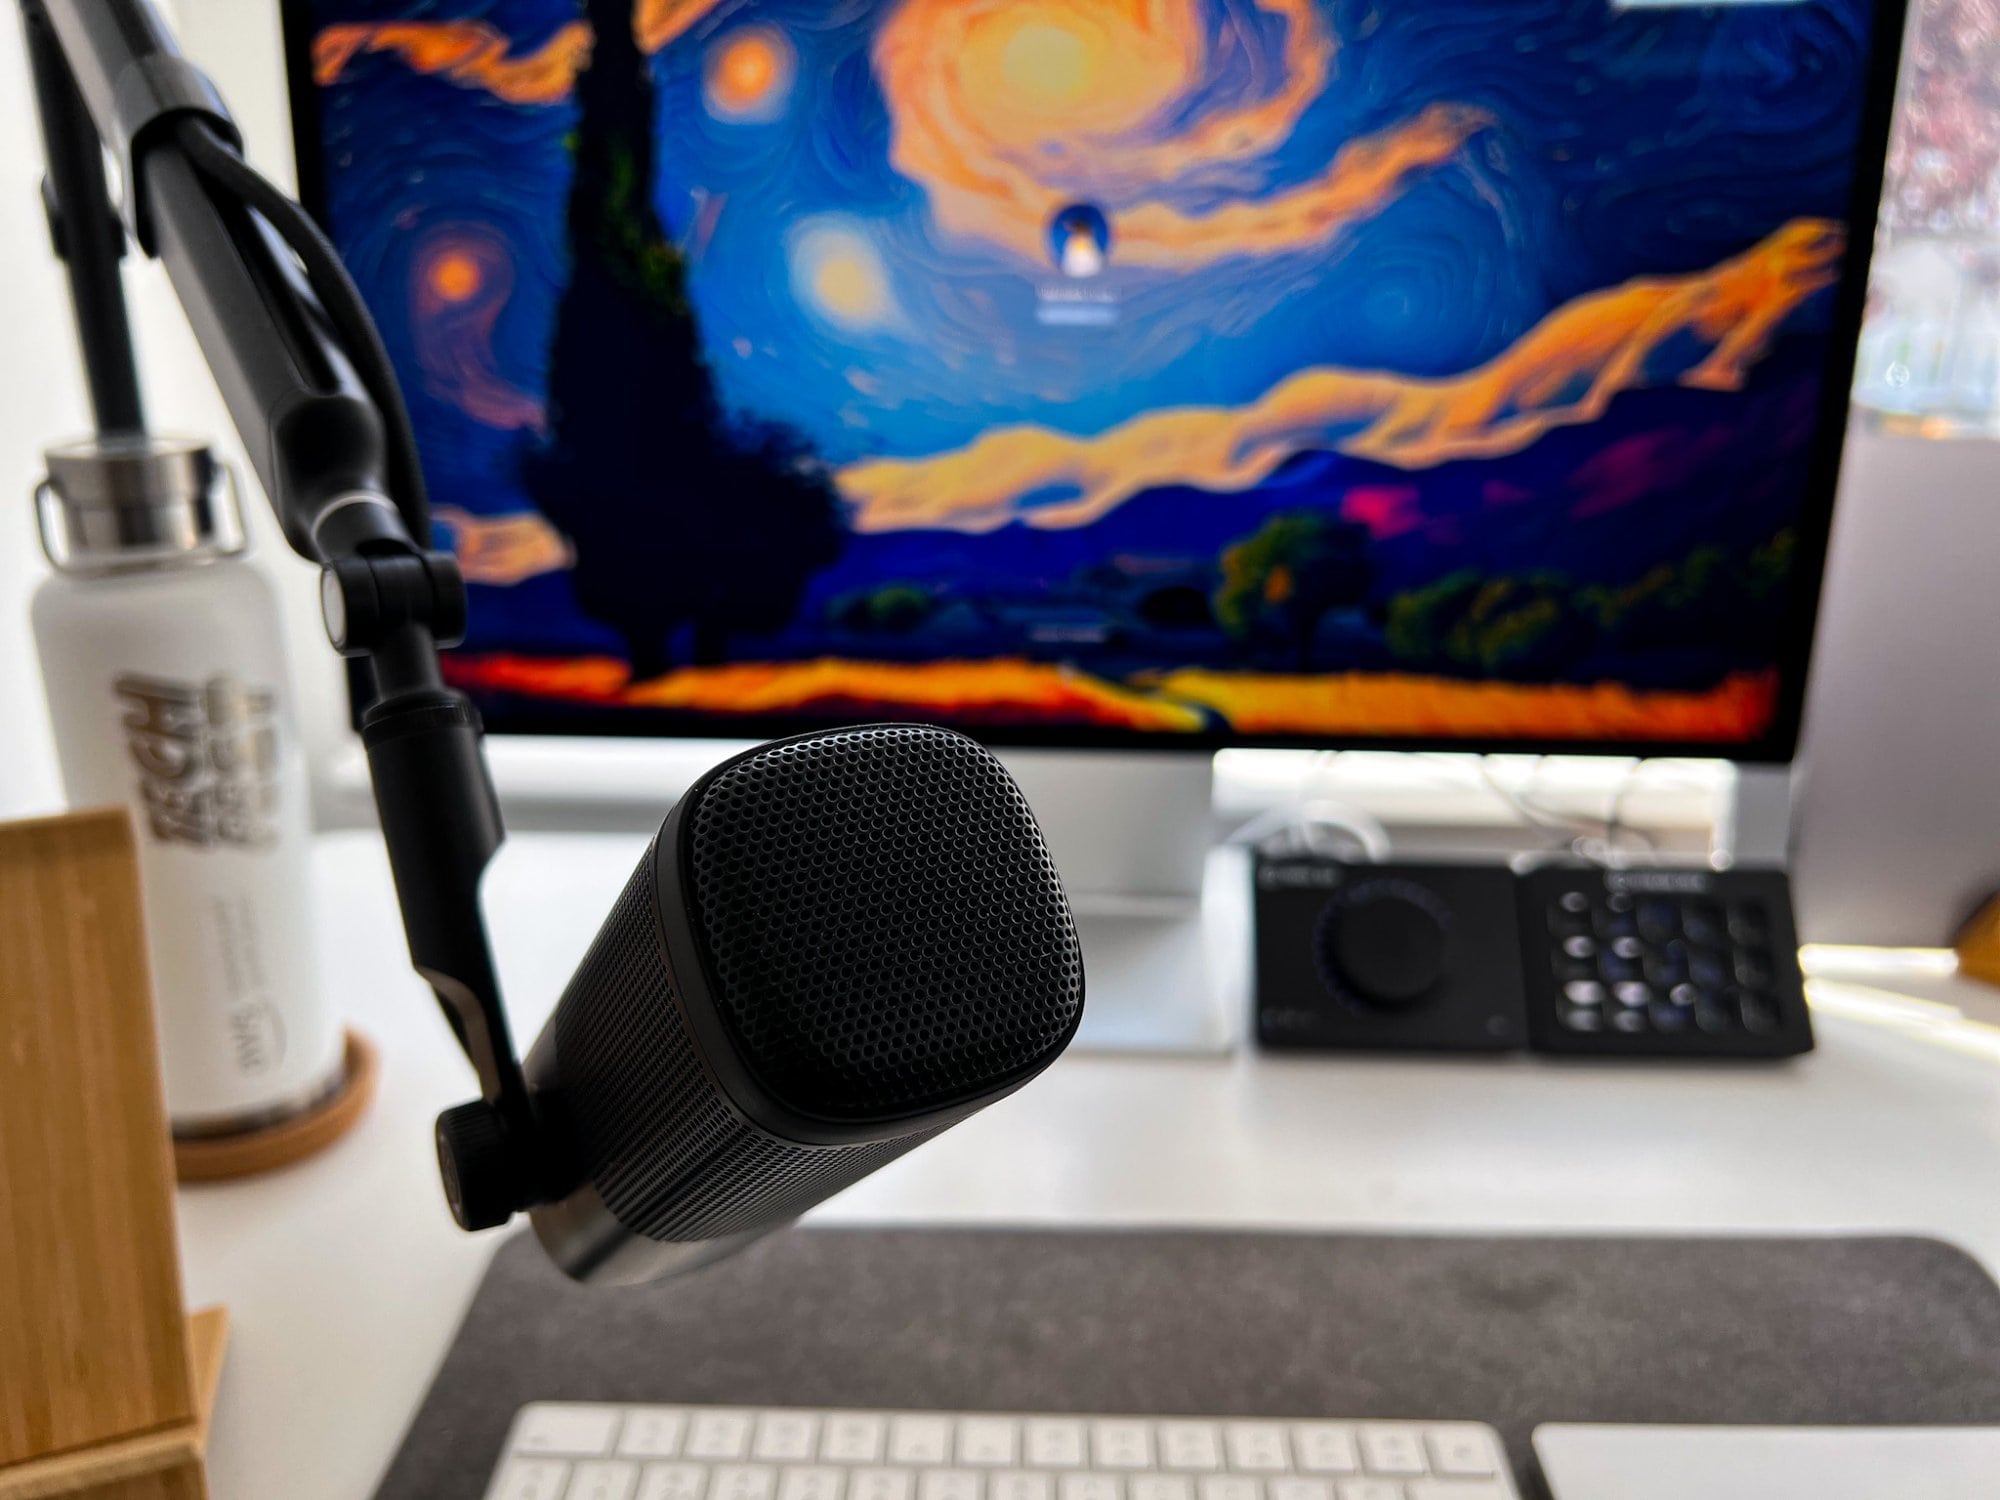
(217, 1158)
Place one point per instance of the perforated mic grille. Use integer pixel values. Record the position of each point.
(666, 1153)
(884, 929)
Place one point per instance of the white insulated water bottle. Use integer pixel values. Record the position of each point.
(166, 682)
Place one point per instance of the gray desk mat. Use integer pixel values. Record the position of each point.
(1512, 1331)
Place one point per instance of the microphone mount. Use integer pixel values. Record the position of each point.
(314, 399)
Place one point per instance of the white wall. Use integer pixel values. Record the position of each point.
(42, 396)
(39, 395)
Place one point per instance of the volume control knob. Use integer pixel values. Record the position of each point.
(1384, 944)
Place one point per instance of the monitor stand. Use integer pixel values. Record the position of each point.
(1132, 835)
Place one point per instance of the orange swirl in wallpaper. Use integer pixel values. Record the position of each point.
(505, 549)
(461, 281)
(469, 53)
(1702, 330)
(474, 54)
(1005, 111)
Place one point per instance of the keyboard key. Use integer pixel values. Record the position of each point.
(573, 1429)
(785, 1436)
(949, 1484)
(1190, 1445)
(1463, 1450)
(1055, 1442)
(1024, 1484)
(743, 1482)
(919, 1440)
(1394, 1450)
(1668, 1018)
(530, 1479)
(1568, 970)
(1707, 971)
(718, 1434)
(1699, 922)
(1370, 1489)
(853, 1437)
(1291, 1488)
(1258, 1447)
(1160, 1487)
(988, 1440)
(1633, 995)
(1759, 1015)
(1667, 969)
(1228, 1487)
(652, 1432)
(1583, 1018)
(1121, 1445)
(1748, 923)
(1631, 1022)
(1616, 926)
(1457, 1489)
(1584, 992)
(812, 1482)
(1753, 971)
(673, 1482)
(1614, 969)
(1574, 902)
(1580, 947)
(1326, 1448)
(603, 1479)
(1658, 921)
(1091, 1487)
(881, 1484)
(1713, 1018)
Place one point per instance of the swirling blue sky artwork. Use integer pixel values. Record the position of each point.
(1418, 369)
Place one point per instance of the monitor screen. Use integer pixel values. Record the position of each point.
(1119, 371)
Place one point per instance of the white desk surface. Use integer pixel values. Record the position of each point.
(345, 1276)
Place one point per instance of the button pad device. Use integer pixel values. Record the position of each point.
(1690, 962)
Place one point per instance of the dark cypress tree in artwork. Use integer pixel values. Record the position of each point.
(681, 517)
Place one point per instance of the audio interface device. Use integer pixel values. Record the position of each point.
(1568, 957)
(1401, 956)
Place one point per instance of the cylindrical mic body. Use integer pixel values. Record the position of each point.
(837, 945)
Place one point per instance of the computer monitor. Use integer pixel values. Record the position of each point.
(1120, 373)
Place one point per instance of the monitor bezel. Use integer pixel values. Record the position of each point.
(1778, 745)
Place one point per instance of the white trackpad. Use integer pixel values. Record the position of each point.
(1769, 1463)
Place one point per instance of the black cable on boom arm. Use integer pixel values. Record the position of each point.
(217, 161)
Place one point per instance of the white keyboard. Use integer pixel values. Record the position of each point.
(569, 1451)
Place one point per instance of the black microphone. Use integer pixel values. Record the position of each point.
(837, 946)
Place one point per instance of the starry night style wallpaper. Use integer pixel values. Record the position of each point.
(1316, 368)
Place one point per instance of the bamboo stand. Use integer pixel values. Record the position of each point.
(105, 1384)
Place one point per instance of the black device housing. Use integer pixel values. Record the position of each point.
(696, 1109)
(1737, 961)
(1565, 957)
(1466, 995)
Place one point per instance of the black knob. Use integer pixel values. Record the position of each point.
(480, 1183)
(1383, 944)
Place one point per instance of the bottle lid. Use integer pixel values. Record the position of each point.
(136, 501)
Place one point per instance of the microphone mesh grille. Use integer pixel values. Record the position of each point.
(885, 930)
(662, 1146)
